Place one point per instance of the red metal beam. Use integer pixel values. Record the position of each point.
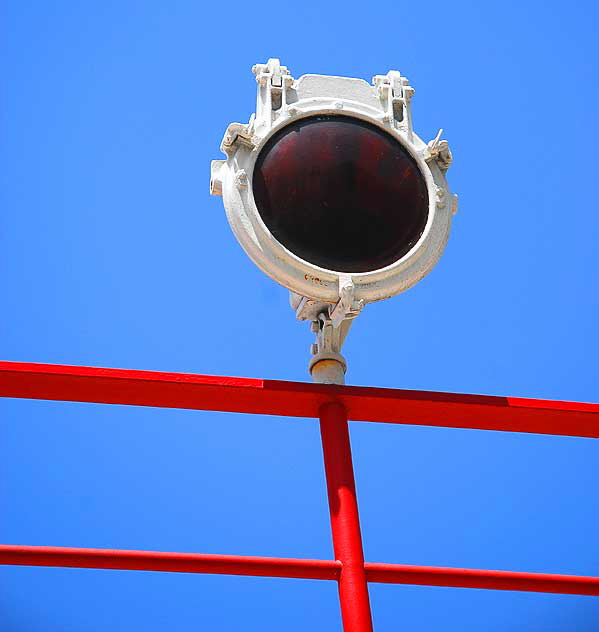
(17, 555)
(171, 562)
(345, 519)
(296, 399)
(473, 578)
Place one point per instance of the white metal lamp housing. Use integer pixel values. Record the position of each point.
(331, 193)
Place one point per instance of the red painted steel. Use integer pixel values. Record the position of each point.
(334, 405)
(18, 555)
(474, 578)
(296, 399)
(345, 520)
(171, 562)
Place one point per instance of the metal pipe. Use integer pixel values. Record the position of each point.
(345, 521)
(67, 557)
(327, 371)
(474, 578)
(170, 562)
(295, 399)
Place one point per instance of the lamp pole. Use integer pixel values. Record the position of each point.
(328, 366)
(345, 520)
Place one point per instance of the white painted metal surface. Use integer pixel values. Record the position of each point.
(281, 100)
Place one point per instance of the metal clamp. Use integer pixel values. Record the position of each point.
(330, 323)
(327, 365)
(273, 81)
(396, 94)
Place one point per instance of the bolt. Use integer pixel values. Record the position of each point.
(440, 197)
(241, 179)
(454, 206)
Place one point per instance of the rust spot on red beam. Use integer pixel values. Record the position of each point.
(296, 399)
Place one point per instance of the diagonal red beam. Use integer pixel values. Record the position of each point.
(18, 555)
(296, 399)
(171, 562)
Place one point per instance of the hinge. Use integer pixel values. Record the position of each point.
(238, 134)
(273, 81)
(439, 152)
(396, 94)
(347, 308)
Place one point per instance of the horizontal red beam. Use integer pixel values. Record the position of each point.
(295, 399)
(171, 562)
(294, 568)
(474, 578)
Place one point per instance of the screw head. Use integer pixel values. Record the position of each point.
(241, 179)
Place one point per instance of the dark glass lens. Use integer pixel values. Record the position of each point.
(340, 193)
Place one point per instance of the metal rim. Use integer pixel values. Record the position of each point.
(308, 279)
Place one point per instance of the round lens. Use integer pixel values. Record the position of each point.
(340, 193)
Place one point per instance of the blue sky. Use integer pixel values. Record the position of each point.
(114, 254)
